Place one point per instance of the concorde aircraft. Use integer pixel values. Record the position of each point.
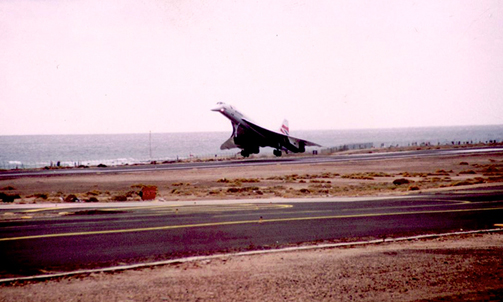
(249, 136)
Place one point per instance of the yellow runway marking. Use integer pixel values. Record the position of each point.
(101, 209)
(41, 209)
(276, 213)
(454, 202)
(170, 206)
(143, 208)
(263, 221)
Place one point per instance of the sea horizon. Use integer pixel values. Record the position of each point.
(40, 150)
(230, 130)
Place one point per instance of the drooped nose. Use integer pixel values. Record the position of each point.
(219, 107)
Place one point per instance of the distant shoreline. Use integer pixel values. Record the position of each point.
(24, 152)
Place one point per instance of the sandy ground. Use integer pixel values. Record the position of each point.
(457, 268)
(362, 178)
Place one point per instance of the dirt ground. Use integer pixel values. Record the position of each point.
(360, 178)
(457, 268)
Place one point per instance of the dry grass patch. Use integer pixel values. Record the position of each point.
(414, 174)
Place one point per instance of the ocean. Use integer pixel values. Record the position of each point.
(33, 151)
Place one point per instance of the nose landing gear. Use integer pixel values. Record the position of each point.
(277, 152)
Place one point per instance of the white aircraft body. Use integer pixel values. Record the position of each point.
(249, 136)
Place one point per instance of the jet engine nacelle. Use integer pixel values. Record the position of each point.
(297, 146)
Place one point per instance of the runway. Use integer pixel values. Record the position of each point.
(57, 240)
(314, 159)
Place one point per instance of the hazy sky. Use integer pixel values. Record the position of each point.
(82, 67)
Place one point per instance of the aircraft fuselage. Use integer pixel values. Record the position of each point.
(249, 137)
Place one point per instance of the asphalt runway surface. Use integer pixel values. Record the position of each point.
(53, 240)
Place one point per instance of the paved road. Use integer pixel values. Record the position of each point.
(52, 241)
(246, 162)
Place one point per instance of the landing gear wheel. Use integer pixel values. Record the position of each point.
(245, 153)
(277, 152)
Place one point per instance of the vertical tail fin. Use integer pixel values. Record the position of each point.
(284, 128)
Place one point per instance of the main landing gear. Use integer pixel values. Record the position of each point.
(245, 153)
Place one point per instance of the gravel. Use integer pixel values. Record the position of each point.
(455, 268)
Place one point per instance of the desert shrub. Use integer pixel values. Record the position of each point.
(234, 190)
(238, 181)
(317, 189)
(377, 174)
(214, 192)
(366, 175)
(468, 172)
(291, 177)
(491, 170)
(242, 189)
(463, 163)
(71, 198)
(320, 185)
(436, 179)
(478, 180)
(313, 176)
(401, 181)
(413, 188)
(441, 173)
(414, 174)
(8, 198)
(466, 182)
(329, 175)
(131, 193)
(137, 186)
(119, 198)
(92, 199)
(8, 188)
(248, 180)
(460, 183)
(275, 188)
(495, 179)
(317, 181)
(274, 178)
(93, 193)
(357, 176)
(41, 195)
